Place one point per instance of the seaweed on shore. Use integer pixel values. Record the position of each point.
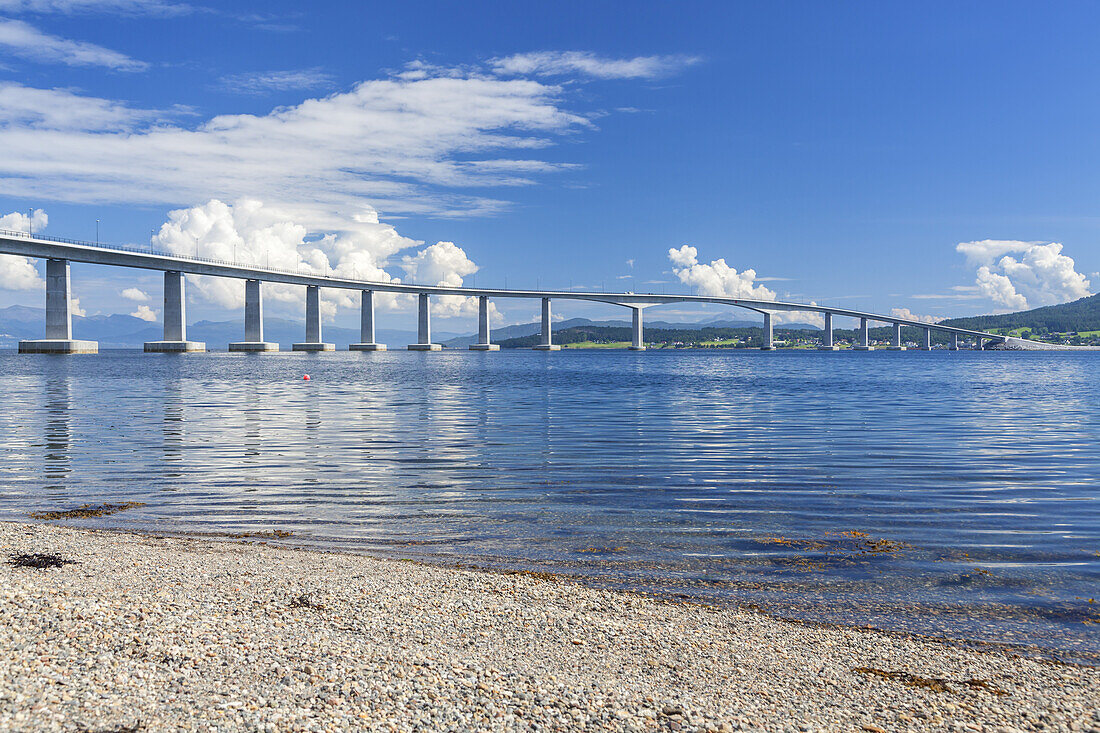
(86, 511)
(38, 560)
(936, 684)
(306, 601)
(271, 534)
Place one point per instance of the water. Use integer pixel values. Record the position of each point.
(946, 493)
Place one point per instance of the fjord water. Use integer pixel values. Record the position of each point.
(951, 493)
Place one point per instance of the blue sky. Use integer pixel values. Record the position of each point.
(926, 157)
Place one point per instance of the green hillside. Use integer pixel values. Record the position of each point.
(1079, 316)
(706, 337)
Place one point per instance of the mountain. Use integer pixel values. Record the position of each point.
(19, 322)
(1079, 315)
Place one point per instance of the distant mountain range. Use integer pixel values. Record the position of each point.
(119, 331)
(1079, 315)
(19, 322)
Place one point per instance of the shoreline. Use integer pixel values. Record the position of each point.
(198, 634)
(287, 541)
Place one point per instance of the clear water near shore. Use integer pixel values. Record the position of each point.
(945, 493)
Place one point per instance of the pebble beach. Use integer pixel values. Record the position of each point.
(139, 632)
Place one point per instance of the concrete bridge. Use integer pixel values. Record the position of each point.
(58, 253)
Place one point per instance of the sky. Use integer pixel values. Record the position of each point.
(923, 160)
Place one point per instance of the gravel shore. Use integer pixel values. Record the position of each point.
(149, 633)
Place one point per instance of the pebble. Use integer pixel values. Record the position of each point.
(199, 635)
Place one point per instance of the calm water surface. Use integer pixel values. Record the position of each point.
(947, 493)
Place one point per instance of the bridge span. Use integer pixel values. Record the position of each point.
(58, 253)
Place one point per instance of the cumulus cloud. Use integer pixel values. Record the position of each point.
(1019, 275)
(134, 294)
(251, 232)
(911, 316)
(75, 309)
(444, 264)
(558, 63)
(263, 82)
(717, 279)
(20, 273)
(145, 313)
(24, 40)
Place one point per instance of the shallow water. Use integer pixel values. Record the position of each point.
(950, 493)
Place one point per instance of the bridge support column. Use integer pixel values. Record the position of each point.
(769, 337)
(253, 321)
(483, 340)
(547, 339)
(424, 327)
(827, 335)
(978, 344)
(926, 340)
(637, 342)
(864, 340)
(366, 325)
(313, 340)
(895, 345)
(59, 320)
(954, 343)
(175, 320)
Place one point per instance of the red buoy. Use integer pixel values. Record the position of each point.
(305, 377)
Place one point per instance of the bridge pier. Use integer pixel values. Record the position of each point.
(827, 335)
(253, 321)
(547, 338)
(366, 325)
(483, 341)
(895, 345)
(59, 320)
(978, 343)
(926, 340)
(175, 320)
(313, 340)
(769, 337)
(864, 339)
(637, 342)
(954, 343)
(424, 327)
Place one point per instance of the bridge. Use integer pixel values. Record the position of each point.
(59, 252)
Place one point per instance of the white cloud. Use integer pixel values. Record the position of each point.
(396, 144)
(24, 40)
(911, 316)
(275, 81)
(75, 309)
(558, 63)
(145, 313)
(719, 280)
(135, 294)
(20, 273)
(254, 233)
(119, 7)
(716, 279)
(61, 109)
(444, 264)
(1039, 274)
